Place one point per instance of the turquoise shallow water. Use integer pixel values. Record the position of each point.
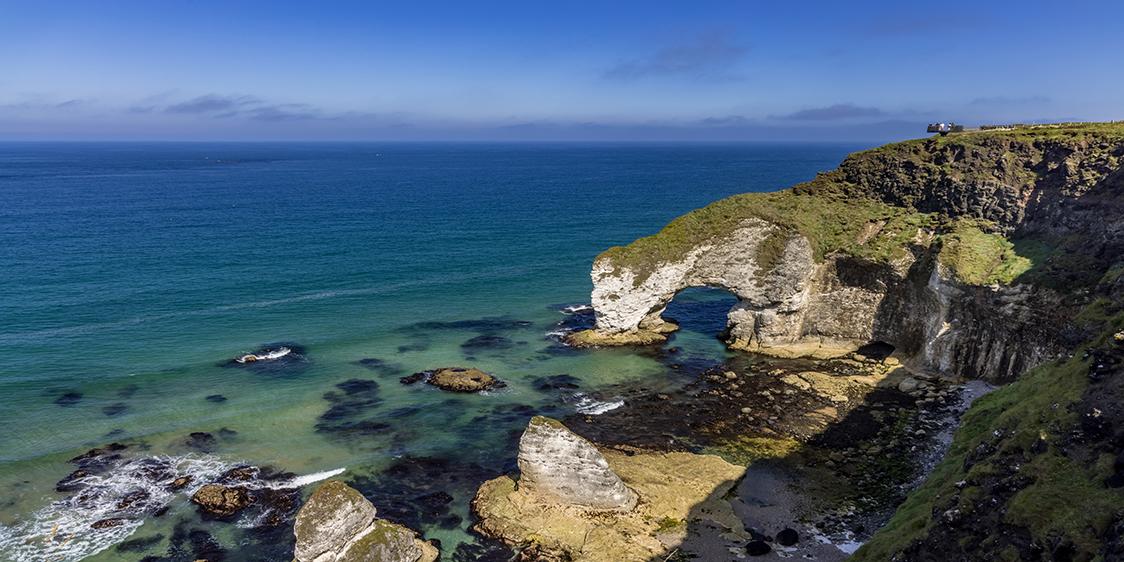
(132, 272)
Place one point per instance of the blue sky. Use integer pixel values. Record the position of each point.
(534, 70)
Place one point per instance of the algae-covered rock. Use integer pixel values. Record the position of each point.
(338, 524)
(558, 464)
(456, 379)
(595, 338)
(221, 501)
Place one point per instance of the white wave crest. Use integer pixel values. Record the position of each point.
(309, 478)
(590, 407)
(577, 308)
(269, 356)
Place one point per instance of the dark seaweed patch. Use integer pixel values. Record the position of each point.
(68, 399)
(553, 383)
(127, 391)
(486, 325)
(201, 441)
(115, 409)
(381, 366)
(346, 417)
(483, 550)
(418, 491)
(140, 544)
(190, 544)
(487, 342)
(416, 346)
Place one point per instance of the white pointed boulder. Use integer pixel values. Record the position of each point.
(558, 465)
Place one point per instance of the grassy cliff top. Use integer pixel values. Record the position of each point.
(818, 210)
(881, 200)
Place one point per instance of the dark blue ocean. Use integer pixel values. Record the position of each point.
(133, 273)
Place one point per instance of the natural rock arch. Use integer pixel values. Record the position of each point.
(782, 294)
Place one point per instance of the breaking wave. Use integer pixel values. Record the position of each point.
(590, 407)
(267, 356)
(107, 507)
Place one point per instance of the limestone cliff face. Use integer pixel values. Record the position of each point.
(821, 269)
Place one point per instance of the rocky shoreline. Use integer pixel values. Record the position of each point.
(825, 449)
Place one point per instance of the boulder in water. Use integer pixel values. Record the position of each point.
(456, 379)
(221, 501)
(461, 379)
(338, 524)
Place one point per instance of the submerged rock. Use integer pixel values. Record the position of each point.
(559, 465)
(221, 501)
(68, 399)
(338, 524)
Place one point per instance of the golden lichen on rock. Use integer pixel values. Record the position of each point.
(594, 338)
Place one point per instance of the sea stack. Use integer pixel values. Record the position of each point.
(338, 524)
(556, 463)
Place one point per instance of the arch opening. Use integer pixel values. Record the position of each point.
(701, 310)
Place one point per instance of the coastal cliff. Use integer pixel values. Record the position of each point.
(995, 255)
(963, 252)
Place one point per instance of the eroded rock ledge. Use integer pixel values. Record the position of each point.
(958, 251)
